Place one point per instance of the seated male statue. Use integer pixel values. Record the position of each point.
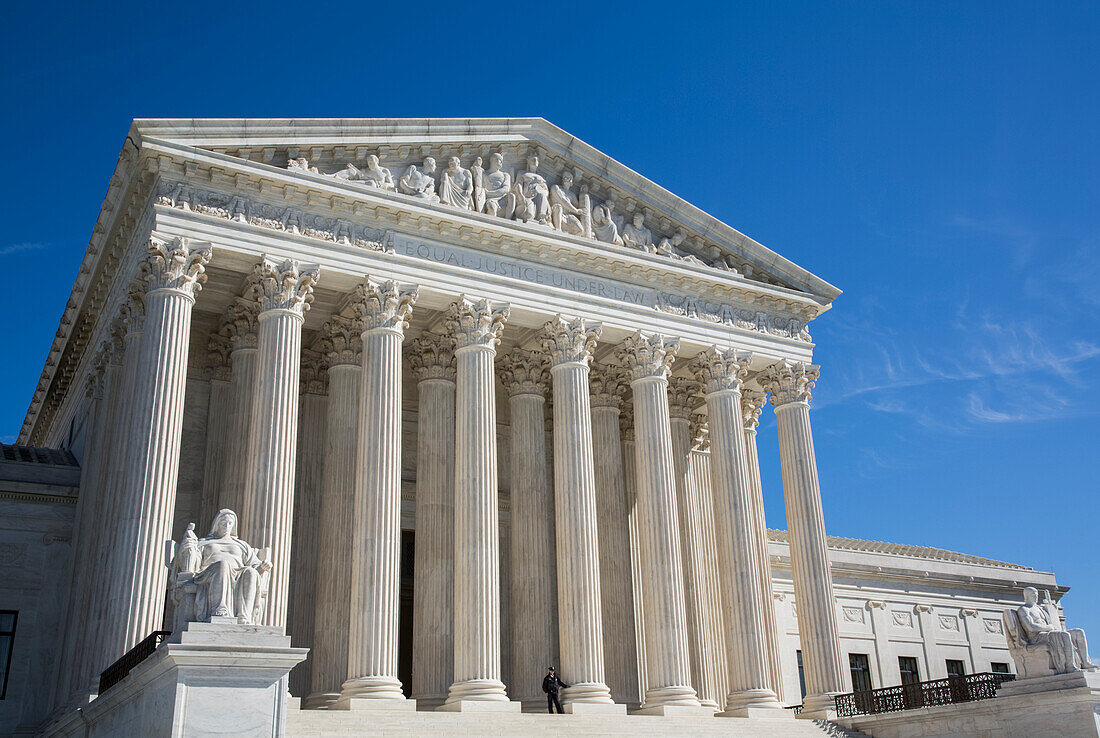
(219, 575)
(1040, 628)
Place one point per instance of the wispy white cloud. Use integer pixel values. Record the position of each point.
(5, 250)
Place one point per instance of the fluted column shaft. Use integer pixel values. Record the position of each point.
(534, 568)
(616, 570)
(301, 609)
(569, 343)
(240, 326)
(668, 671)
(85, 533)
(630, 491)
(107, 607)
(332, 613)
(432, 360)
(721, 373)
(477, 328)
(751, 402)
(217, 441)
(285, 292)
(701, 637)
(384, 308)
(173, 271)
(789, 385)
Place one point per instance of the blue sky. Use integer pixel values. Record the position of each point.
(938, 162)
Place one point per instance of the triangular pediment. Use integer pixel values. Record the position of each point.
(606, 201)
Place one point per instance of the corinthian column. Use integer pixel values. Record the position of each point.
(669, 691)
(174, 271)
(219, 370)
(432, 360)
(630, 494)
(569, 342)
(789, 385)
(702, 639)
(613, 535)
(384, 308)
(240, 325)
(342, 345)
(285, 291)
(477, 327)
(721, 373)
(751, 403)
(534, 578)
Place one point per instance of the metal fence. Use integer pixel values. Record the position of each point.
(948, 691)
(117, 671)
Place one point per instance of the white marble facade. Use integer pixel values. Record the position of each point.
(542, 365)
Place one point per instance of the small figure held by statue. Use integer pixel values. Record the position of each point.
(217, 576)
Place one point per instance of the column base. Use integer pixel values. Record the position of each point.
(477, 690)
(752, 703)
(594, 708)
(480, 706)
(379, 688)
(369, 704)
(819, 706)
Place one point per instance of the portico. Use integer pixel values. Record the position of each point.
(495, 364)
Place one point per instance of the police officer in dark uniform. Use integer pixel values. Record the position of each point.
(550, 685)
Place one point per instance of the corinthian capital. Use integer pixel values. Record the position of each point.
(285, 285)
(218, 367)
(341, 342)
(476, 323)
(132, 312)
(570, 340)
(174, 264)
(239, 324)
(752, 402)
(648, 355)
(721, 369)
(384, 304)
(682, 394)
(313, 378)
(700, 432)
(523, 373)
(607, 383)
(431, 356)
(789, 381)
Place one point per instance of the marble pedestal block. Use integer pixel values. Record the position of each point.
(217, 678)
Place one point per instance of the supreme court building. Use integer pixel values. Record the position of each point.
(490, 398)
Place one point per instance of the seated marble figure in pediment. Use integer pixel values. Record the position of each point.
(1039, 644)
(218, 575)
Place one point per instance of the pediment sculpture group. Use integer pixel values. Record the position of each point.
(525, 197)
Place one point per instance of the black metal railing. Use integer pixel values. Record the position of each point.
(950, 691)
(795, 709)
(117, 671)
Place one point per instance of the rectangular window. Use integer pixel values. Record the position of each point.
(999, 667)
(861, 672)
(956, 668)
(7, 642)
(801, 675)
(907, 665)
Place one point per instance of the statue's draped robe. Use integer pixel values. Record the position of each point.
(227, 575)
(455, 188)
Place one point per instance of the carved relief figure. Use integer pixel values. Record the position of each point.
(376, 175)
(456, 185)
(637, 235)
(566, 210)
(1038, 643)
(477, 174)
(301, 163)
(532, 195)
(219, 575)
(603, 225)
(420, 183)
(498, 188)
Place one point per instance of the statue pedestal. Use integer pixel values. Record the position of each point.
(219, 678)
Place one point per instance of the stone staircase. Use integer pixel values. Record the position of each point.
(324, 723)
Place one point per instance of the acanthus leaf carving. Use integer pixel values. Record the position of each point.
(432, 356)
(721, 370)
(524, 372)
(175, 264)
(648, 355)
(476, 322)
(285, 285)
(607, 385)
(384, 304)
(789, 381)
(570, 340)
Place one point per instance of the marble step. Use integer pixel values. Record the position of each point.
(336, 724)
